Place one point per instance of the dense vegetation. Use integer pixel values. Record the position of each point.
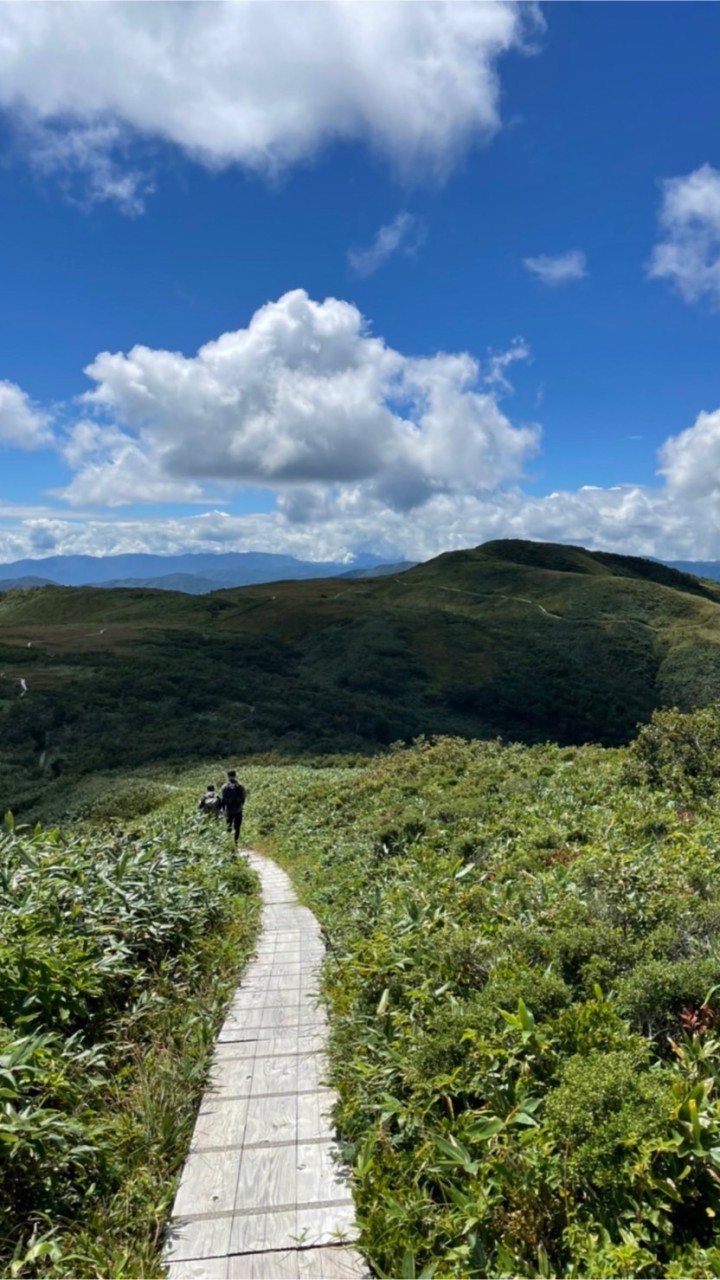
(119, 948)
(523, 975)
(528, 641)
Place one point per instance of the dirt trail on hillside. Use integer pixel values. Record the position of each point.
(496, 595)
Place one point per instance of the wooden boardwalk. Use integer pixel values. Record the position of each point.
(261, 1196)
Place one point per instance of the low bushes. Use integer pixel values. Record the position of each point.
(117, 954)
(678, 752)
(523, 970)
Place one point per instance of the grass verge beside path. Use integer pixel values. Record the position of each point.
(119, 950)
(523, 975)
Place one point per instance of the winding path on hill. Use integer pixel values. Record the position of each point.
(499, 595)
(629, 619)
(262, 1196)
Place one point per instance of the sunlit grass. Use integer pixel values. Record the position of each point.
(522, 972)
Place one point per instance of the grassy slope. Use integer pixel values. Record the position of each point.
(529, 641)
(520, 950)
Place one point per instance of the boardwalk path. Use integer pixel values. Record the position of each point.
(261, 1197)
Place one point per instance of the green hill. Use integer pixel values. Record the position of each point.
(528, 641)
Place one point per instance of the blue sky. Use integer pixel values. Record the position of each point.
(455, 271)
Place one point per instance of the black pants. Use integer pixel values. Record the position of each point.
(234, 823)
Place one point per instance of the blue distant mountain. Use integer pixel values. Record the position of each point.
(7, 584)
(701, 568)
(381, 570)
(194, 572)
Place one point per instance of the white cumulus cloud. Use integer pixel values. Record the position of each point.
(558, 269)
(689, 253)
(320, 520)
(363, 447)
(22, 424)
(628, 519)
(404, 234)
(303, 397)
(257, 84)
(690, 461)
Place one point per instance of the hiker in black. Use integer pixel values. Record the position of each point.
(210, 803)
(232, 799)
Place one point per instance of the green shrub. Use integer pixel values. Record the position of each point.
(606, 1106)
(679, 753)
(657, 991)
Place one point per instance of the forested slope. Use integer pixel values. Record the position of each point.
(528, 641)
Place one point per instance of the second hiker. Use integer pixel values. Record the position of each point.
(210, 802)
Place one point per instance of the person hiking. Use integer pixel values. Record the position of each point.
(210, 803)
(232, 799)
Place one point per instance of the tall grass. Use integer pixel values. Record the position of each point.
(118, 953)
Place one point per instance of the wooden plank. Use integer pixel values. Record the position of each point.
(318, 1176)
(271, 1120)
(208, 1185)
(191, 1238)
(261, 1195)
(221, 1124)
(268, 1178)
(303, 1264)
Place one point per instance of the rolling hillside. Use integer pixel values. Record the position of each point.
(528, 641)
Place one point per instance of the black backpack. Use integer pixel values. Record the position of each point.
(210, 803)
(233, 797)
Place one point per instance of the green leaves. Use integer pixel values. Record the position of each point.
(523, 1021)
(106, 944)
(455, 1154)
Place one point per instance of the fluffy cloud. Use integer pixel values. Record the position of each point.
(303, 396)
(22, 424)
(114, 470)
(319, 521)
(322, 520)
(626, 519)
(689, 254)
(363, 448)
(262, 85)
(690, 461)
(404, 234)
(559, 269)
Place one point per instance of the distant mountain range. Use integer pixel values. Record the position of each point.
(701, 568)
(195, 573)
